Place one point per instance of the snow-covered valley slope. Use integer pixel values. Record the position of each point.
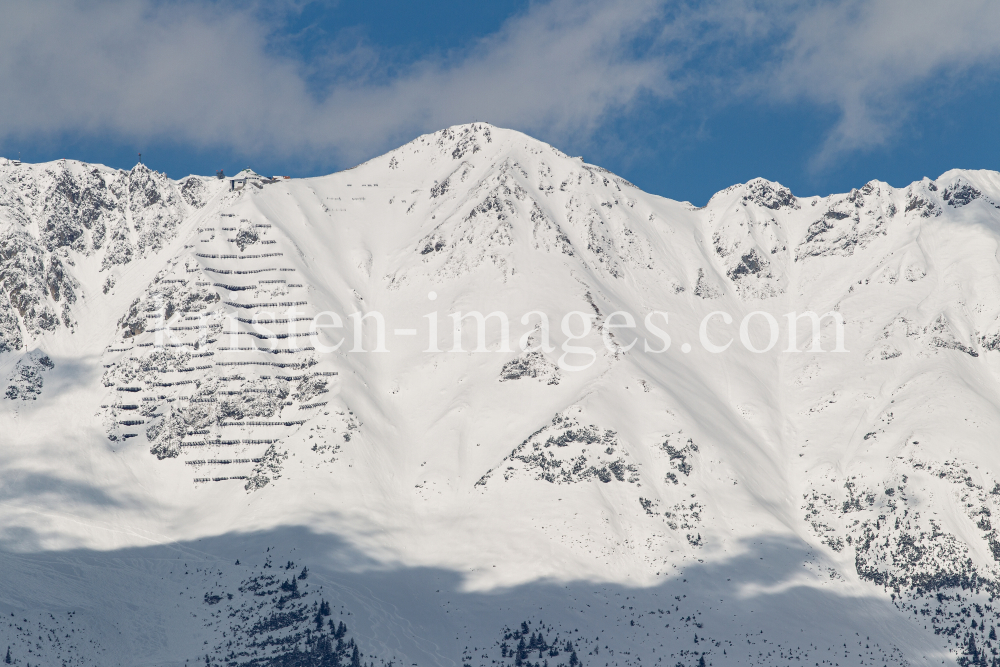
(170, 410)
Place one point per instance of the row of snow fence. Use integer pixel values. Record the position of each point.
(203, 462)
(276, 304)
(295, 422)
(260, 256)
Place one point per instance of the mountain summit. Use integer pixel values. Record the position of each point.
(506, 407)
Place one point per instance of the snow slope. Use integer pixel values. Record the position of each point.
(653, 507)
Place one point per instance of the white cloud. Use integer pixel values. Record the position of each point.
(208, 75)
(136, 70)
(869, 60)
(205, 75)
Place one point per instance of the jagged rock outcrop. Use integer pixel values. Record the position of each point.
(52, 214)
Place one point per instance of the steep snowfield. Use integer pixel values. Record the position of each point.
(782, 507)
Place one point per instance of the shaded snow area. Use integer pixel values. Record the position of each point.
(208, 456)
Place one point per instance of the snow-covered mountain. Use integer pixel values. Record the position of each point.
(192, 470)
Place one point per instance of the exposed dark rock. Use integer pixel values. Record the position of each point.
(26, 382)
(765, 194)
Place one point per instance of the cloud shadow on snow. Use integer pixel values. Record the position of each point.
(756, 601)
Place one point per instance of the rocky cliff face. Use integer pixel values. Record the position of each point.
(53, 215)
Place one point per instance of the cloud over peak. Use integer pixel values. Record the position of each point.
(209, 75)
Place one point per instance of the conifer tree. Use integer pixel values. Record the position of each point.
(522, 653)
(971, 652)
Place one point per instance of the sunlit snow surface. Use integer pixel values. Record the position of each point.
(781, 508)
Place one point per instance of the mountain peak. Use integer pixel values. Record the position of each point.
(474, 365)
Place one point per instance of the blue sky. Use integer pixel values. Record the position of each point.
(682, 98)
